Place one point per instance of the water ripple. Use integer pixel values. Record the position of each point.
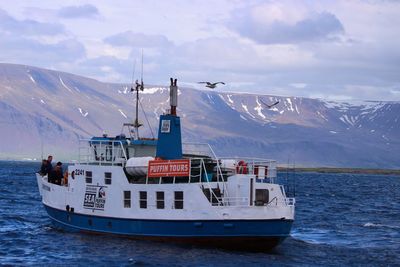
(341, 220)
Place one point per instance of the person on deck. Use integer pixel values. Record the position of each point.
(49, 166)
(43, 168)
(46, 167)
(56, 175)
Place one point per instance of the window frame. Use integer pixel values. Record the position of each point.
(160, 199)
(127, 198)
(143, 199)
(261, 197)
(108, 180)
(178, 202)
(88, 178)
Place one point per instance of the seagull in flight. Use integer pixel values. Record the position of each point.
(269, 106)
(212, 85)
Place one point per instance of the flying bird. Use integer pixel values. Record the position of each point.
(269, 106)
(212, 85)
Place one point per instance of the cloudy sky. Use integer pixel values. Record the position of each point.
(340, 50)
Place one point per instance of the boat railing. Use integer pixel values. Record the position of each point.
(244, 202)
(101, 152)
(198, 150)
(260, 168)
(235, 201)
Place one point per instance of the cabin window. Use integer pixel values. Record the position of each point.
(143, 199)
(160, 200)
(107, 177)
(127, 199)
(88, 177)
(178, 200)
(262, 197)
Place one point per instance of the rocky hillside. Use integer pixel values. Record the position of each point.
(50, 111)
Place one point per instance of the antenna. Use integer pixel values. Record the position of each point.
(129, 125)
(142, 74)
(41, 146)
(139, 87)
(133, 74)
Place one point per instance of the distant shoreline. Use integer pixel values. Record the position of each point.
(341, 170)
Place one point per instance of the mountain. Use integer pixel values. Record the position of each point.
(49, 111)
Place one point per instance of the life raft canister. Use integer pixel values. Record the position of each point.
(241, 167)
(259, 173)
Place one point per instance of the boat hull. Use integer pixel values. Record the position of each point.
(254, 235)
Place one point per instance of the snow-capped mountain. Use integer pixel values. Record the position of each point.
(44, 110)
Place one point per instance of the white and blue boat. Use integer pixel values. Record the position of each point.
(163, 189)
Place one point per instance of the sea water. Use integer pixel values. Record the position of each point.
(341, 219)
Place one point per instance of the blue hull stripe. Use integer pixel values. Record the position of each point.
(170, 228)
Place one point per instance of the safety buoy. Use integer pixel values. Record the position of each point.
(241, 167)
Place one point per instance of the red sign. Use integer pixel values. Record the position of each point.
(169, 168)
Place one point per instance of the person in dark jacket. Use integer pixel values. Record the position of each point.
(43, 168)
(56, 175)
(46, 167)
(49, 166)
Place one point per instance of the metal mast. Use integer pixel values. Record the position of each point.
(138, 87)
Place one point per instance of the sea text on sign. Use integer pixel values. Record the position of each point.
(169, 168)
(95, 197)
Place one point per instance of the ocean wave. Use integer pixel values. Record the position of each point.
(313, 236)
(377, 225)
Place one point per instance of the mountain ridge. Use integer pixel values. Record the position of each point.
(51, 109)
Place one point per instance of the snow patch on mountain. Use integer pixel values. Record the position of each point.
(348, 120)
(322, 116)
(63, 84)
(125, 91)
(259, 109)
(83, 113)
(122, 113)
(297, 110)
(153, 90)
(247, 111)
(33, 80)
(290, 106)
(230, 99)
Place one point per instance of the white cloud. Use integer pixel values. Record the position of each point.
(347, 49)
(273, 23)
(83, 11)
(141, 40)
(27, 27)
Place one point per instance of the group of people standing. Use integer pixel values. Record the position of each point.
(54, 175)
